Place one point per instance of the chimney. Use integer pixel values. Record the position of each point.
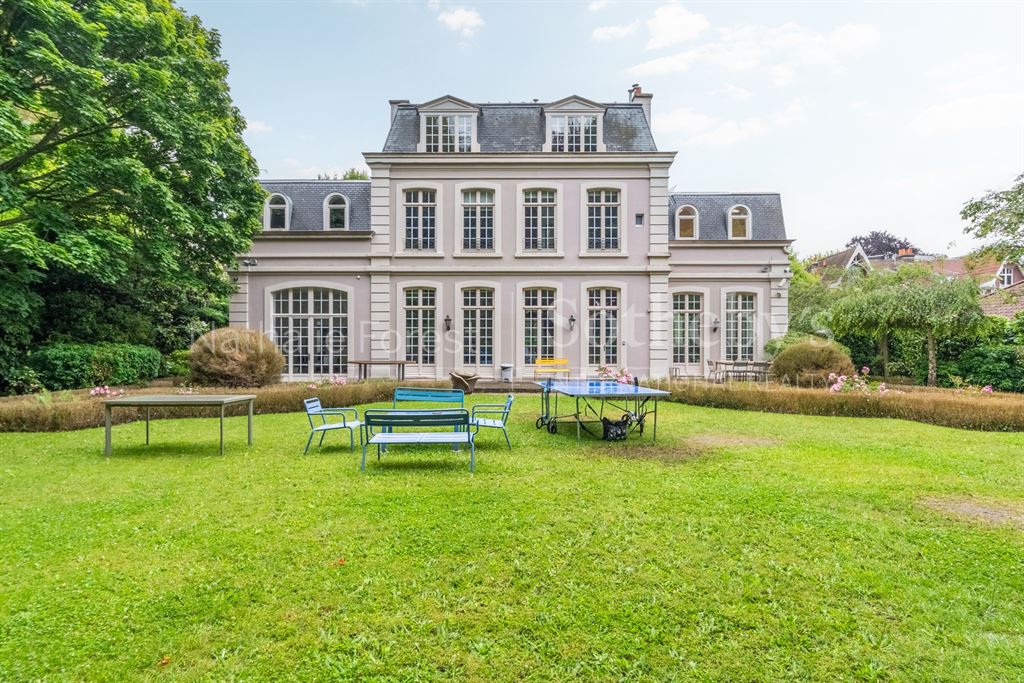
(394, 106)
(644, 98)
(906, 253)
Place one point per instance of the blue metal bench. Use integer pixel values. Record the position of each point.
(420, 395)
(315, 410)
(499, 416)
(388, 421)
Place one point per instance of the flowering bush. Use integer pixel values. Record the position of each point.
(332, 381)
(106, 392)
(855, 383)
(621, 375)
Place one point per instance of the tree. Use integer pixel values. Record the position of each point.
(880, 243)
(862, 308)
(999, 217)
(351, 174)
(121, 156)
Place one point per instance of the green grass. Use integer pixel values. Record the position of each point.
(741, 546)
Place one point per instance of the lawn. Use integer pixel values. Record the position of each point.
(742, 546)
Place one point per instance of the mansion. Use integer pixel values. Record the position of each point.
(494, 234)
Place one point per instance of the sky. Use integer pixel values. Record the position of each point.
(863, 116)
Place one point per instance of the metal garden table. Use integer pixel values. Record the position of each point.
(631, 399)
(176, 401)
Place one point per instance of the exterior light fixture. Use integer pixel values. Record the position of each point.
(714, 325)
(572, 323)
(447, 323)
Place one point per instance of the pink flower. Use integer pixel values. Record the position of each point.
(865, 370)
(842, 378)
(311, 385)
(987, 389)
(831, 377)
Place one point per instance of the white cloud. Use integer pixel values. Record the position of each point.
(673, 24)
(604, 33)
(778, 51)
(258, 127)
(733, 92)
(465, 22)
(597, 5)
(695, 128)
(434, 4)
(984, 112)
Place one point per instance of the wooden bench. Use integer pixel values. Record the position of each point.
(420, 395)
(380, 425)
(545, 367)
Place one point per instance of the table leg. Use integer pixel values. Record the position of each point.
(147, 425)
(654, 432)
(578, 419)
(106, 421)
(401, 372)
(250, 422)
(222, 430)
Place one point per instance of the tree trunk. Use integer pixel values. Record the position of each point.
(883, 349)
(932, 363)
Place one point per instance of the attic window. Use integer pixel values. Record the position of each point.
(574, 133)
(277, 213)
(739, 223)
(449, 133)
(1005, 276)
(336, 212)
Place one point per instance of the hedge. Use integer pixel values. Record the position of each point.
(73, 366)
(943, 407)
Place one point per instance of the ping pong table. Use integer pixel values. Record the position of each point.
(591, 398)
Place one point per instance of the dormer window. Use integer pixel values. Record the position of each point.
(277, 213)
(739, 223)
(687, 223)
(336, 212)
(449, 133)
(1005, 276)
(575, 133)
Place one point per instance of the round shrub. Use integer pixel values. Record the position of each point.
(809, 363)
(232, 357)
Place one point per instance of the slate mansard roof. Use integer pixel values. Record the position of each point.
(520, 128)
(307, 198)
(713, 208)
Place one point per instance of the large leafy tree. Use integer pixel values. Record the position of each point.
(122, 165)
(999, 218)
(880, 243)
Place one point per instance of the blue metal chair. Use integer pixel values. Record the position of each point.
(314, 410)
(500, 419)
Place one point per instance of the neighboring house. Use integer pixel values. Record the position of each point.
(1005, 302)
(833, 267)
(504, 233)
(988, 271)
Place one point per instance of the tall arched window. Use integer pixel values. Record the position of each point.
(336, 212)
(277, 213)
(687, 223)
(739, 223)
(311, 328)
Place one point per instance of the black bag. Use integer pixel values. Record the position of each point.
(615, 430)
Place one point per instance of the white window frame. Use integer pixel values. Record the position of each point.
(439, 331)
(458, 251)
(583, 325)
(449, 106)
(559, 191)
(703, 317)
(1005, 276)
(696, 223)
(519, 349)
(327, 210)
(585, 189)
(573, 106)
(759, 333)
(750, 222)
(287, 212)
(399, 221)
(353, 315)
(499, 318)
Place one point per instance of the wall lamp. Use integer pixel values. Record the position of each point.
(447, 323)
(572, 323)
(714, 325)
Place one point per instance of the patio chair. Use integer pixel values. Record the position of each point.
(714, 371)
(500, 413)
(315, 410)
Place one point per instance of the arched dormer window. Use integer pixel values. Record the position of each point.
(277, 213)
(687, 223)
(336, 212)
(739, 223)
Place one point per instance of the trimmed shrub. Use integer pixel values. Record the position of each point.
(809, 363)
(777, 345)
(176, 363)
(73, 366)
(233, 357)
(1000, 366)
